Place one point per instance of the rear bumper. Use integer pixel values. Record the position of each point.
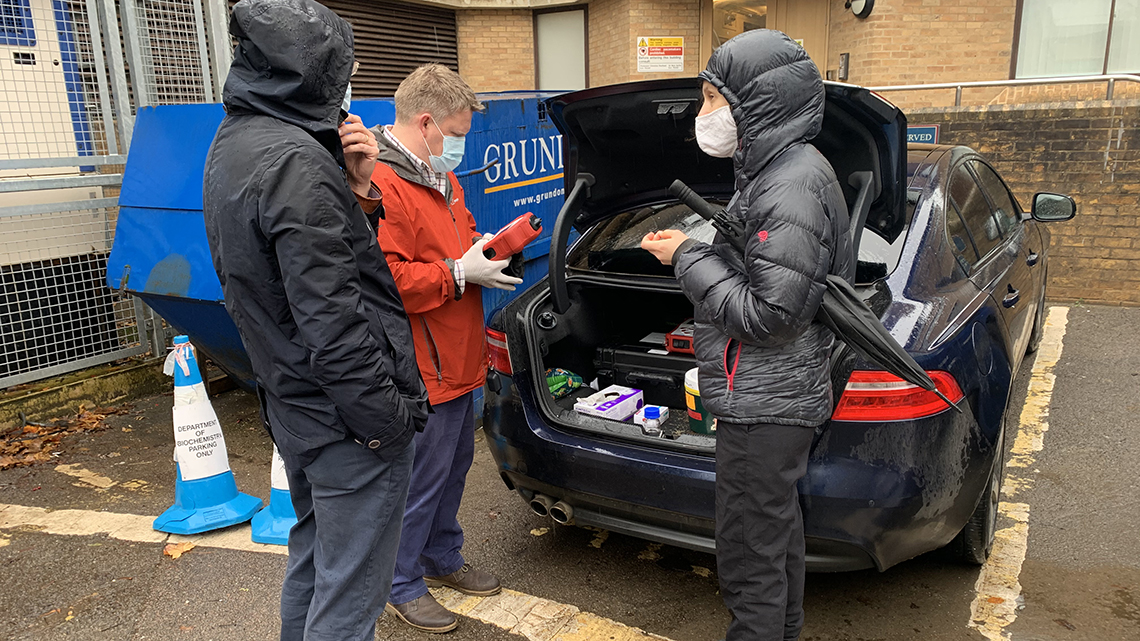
(873, 495)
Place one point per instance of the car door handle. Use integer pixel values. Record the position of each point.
(1032, 259)
(1011, 298)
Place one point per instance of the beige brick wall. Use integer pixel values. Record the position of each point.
(665, 18)
(608, 23)
(616, 24)
(925, 41)
(496, 49)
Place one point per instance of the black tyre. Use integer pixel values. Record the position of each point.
(973, 544)
(1038, 324)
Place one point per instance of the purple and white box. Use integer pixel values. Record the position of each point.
(616, 403)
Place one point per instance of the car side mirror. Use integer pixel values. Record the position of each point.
(1053, 208)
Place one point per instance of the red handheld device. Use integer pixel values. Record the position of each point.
(511, 239)
(680, 340)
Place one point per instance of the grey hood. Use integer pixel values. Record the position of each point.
(775, 92)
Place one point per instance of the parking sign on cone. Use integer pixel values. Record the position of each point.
(272, 524)
(205, 493)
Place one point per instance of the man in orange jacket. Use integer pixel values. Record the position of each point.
(436, 256)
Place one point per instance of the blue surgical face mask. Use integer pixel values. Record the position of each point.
(452, 152)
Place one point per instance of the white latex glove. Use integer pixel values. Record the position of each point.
(486, 273)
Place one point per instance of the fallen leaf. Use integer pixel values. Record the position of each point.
(175, 550)
(1065, 624)
(600, 539)
(185, 628)
(539, 531)
(702, 572)
(651, 553)
(127, 429)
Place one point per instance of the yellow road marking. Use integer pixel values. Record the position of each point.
(999, 587)
(531, 617)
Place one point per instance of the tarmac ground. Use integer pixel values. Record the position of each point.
(78, 560)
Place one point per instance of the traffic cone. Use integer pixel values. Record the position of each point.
(272, 524)
(205, 493)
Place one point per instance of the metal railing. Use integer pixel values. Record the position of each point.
(1110, 81)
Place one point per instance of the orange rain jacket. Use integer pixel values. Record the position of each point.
(422, 233)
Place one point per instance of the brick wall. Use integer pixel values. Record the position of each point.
(665, 18)
(496, 49)
(608, 25)
(616, 24)
(924, 41)
(1090, 151)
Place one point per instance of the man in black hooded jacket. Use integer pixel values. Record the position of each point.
(764, 360)
(318, 311)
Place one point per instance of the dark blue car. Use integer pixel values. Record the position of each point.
(947, 257)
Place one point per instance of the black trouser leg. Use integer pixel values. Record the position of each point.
(759, 528)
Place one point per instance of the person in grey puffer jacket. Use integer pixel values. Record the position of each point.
(764, 360)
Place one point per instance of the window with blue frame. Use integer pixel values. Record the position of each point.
(16, 23)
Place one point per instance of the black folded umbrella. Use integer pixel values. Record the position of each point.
(842, 311)
(849, 318)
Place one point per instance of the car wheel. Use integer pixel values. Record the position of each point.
(973, 544)
(1038, 324)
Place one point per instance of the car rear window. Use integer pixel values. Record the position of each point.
(614, 245)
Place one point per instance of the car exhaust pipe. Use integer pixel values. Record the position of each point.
(562, 513)
(541, 504)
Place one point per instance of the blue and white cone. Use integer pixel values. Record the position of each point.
(205, 493)
(272, 524)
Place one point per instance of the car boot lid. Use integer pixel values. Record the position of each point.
(632, 140)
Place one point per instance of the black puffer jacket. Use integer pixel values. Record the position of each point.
(304, 278)
(763, 358)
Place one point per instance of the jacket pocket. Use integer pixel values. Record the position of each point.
(433, 349)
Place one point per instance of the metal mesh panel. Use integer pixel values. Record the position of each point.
(49, 90)
(172, 54)
(59, 174)
(55, 307)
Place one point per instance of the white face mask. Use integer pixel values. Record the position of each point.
(716, 133)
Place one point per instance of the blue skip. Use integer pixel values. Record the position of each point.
(205, 492)
(272, 524)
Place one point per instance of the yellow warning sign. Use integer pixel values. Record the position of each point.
(660, 54)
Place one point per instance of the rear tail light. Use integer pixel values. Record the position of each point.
(497, 349)
(879, 396)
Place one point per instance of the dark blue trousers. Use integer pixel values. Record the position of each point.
(349, 502)
(432, 537)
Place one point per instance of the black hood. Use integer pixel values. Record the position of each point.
(292, 62)
(774, 90)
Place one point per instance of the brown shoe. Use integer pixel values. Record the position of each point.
(425, 613)
(467, 580)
